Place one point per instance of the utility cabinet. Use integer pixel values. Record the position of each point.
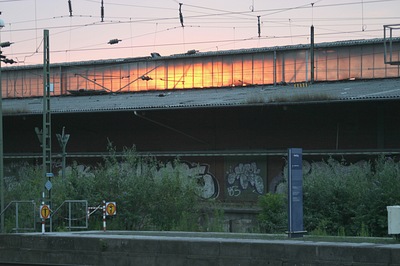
(393, 220)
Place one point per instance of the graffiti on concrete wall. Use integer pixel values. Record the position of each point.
(208, 184)
(317, 168)
(243, 177)
(209, 187)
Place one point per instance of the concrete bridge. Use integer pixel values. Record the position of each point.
(178, 248)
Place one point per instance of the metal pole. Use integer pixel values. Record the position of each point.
(46, 133)
(63, 140)
(63, 162)
(69, 216)
(274, 69)
(34, 215)
(1, 147)
(384, 44)
(306, 65)
(104, 216)
(43, 220)
(16, 217)
(312, 53)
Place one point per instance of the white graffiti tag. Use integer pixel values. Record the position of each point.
(248, 175)
(208, 184)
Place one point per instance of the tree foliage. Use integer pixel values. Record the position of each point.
(343, 199)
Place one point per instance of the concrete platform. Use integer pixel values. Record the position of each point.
(179, 248)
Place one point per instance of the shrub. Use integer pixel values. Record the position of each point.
(146, 196)
(333, 195)
(351, 199)
(341, 198)
(273, 215)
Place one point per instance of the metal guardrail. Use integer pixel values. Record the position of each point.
(17, 204)
(77, 217)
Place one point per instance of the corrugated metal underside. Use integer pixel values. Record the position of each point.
(361, 90)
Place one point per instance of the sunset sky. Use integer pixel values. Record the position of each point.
(150, 26)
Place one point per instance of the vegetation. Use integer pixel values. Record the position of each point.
(273, 215)
(303, 97)
(342, 199)
(147, 197)
(254, 98)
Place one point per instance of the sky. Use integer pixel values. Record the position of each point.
(174, 27)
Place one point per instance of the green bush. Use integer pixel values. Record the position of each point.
(349, 199)
(332, 196)
(273, 215)
(147, 196)
(341, 198)
(22, 182)
(383, 190)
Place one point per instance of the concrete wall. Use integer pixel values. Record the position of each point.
(214, 133)
(177, 249)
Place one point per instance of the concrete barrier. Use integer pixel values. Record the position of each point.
(127, 248)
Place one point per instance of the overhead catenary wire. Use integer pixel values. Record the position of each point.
(204, 42)
(363, 26)
(76, 26)
(221, 42)
(252, 6)
(222, 12)
(225, 42)
(212, 16)
(216, 14)
(312, 14)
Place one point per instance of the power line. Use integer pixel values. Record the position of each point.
(202, 42)
(207, 16)
(172, 18)
(221, 12)
(132, 5)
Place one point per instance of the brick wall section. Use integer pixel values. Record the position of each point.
(106, 249)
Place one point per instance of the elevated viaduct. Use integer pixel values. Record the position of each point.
(224, 111)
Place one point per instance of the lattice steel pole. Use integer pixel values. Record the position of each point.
(46, 133)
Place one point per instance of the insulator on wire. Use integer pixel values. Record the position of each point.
(259, 27)
(9, 61)
(5, 44)
(114, 41)
(102, 11)
(180, 14)
(145, 78)
(70, 8)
